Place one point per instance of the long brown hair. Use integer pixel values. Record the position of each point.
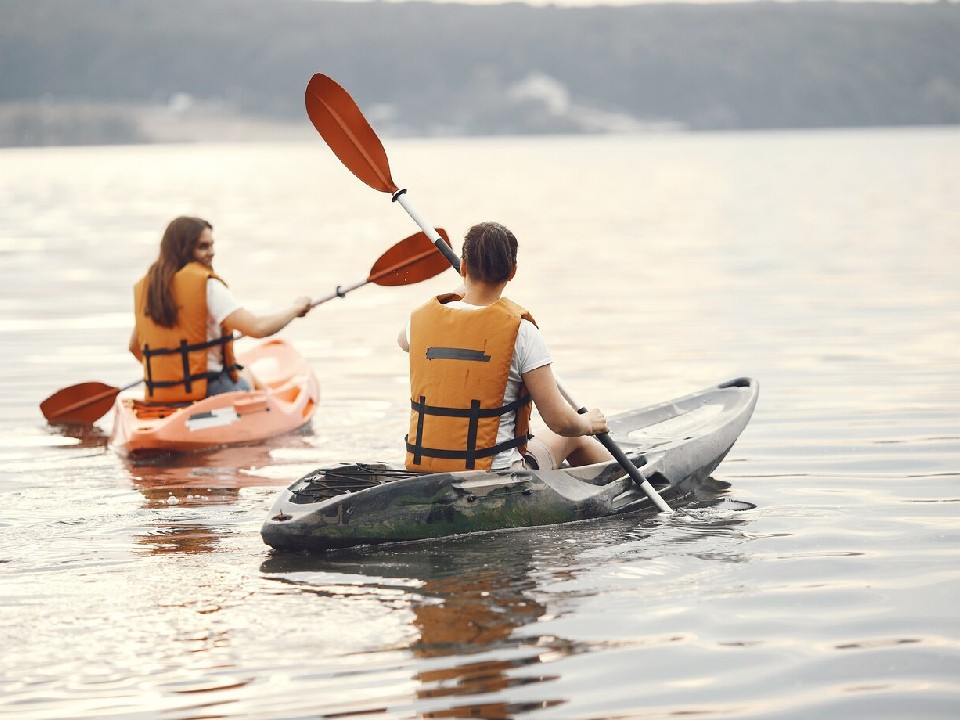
(490, 252)
(176, 250)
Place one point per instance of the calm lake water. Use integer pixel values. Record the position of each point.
(824, 582)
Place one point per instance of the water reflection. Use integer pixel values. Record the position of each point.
(193, 475)
(473, 614)
(706, 523)
(471, 604)
(182, 485)
(462, 606)
(87, 436)
(469, 615)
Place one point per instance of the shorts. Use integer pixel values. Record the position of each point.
(223, 383)
(537, 457)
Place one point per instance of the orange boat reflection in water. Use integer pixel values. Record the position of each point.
(186, 489)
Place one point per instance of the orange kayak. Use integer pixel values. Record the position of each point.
(287, 400)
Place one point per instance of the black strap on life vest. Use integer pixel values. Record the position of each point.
(448, 353)
(472, 453)
(184, 350)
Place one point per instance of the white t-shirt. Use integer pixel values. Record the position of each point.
(529, 352)
(220, 304)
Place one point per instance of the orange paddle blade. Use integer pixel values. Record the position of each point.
(412, 260)
(338, 119)
(84, 403)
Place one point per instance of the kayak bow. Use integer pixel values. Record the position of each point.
(286, 402)
(674, 444)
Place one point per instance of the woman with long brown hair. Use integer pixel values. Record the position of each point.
(186, 317)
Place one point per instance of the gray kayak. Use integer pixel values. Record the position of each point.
(674, 444)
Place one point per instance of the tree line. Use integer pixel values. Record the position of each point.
(425, 68)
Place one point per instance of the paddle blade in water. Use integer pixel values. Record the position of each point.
(338, 119)
(84, 403)
(412, 260)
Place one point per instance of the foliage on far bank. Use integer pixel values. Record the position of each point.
(447, 69)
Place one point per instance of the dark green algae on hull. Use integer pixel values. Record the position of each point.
(675, 444)
(442, 504)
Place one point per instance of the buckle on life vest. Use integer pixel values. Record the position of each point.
(473, 414)
(184, 350)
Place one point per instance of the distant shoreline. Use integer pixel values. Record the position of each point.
(53, 124)
(49, 124)
(79, 124)
(124, 71)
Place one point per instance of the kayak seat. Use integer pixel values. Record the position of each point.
(288, 394)
(257, 403)
(325, 483)
(153, 411)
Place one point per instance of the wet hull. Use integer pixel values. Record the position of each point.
(287, 401)
(674, 444)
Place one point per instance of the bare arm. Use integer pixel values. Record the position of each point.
(261, 326)
(556, 411)
(402, 339)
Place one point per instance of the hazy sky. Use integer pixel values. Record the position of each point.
(584, 3)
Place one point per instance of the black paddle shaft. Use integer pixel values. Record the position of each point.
(629, 467)
(619, 455)
(447, 251)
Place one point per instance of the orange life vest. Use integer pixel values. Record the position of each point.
(459, 365)
(175, 359)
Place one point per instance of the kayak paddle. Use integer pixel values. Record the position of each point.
(83, 404)
(339, 121)
(342, 125)
(412, 260)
